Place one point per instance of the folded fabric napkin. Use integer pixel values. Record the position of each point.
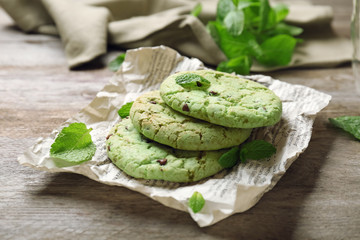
(87, 27)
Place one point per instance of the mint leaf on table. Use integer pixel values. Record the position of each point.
(197, 10)
(115, 64)
(124, 111)
(350, 124)
(253, 29)
(256, 150)
(196, 202)
(73, 145)
(192, 81)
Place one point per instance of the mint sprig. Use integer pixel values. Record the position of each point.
(124, 111)
(192, 81)
(255, 150)
(248, 30)
(115, 64)
(73, 145)
(350, 124)
(196, 202)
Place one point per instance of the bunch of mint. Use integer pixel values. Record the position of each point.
(247, 30)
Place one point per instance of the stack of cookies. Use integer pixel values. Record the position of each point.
(179, 133)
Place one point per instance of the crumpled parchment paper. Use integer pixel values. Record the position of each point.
(228, 192)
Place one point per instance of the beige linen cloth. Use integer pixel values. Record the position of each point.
(87, 27)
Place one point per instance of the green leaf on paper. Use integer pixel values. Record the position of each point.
(256, 150)
(196, 202)
(350, 124)
(73, 145)
(230, 158)
(115, 64)
(124, 111)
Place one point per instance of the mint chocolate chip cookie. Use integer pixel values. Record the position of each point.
(142, 158)
(227, 100)
(157, 121)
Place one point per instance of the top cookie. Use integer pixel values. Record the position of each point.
(224, 99)
(157, 121)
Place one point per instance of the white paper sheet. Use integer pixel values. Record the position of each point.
(228, 192)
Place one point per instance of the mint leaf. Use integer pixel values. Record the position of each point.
(234, 46)
(73, 145)
(256, 150)
(230, 158)
(263, 14)
(283, 28)
(240, 65)
(234, 22)
(197, 10)
(251, 12)
(192, 81)
(350, 124)
(245, 4)
(223, 7)
(277, 51)
(124, 111)
(115, 64)
(196, 202)
(235, 2)
(281, 11)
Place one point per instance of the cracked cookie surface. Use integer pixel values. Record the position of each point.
(157, 121)
(230, 101)
(140, 157)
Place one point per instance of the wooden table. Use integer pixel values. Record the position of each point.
(318, 198)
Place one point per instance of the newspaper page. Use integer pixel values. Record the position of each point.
(228, 192)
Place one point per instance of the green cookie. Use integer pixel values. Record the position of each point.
(222, 99)
(157, 121)
(141, 158)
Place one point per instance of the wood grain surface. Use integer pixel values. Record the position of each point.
(318, 197)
